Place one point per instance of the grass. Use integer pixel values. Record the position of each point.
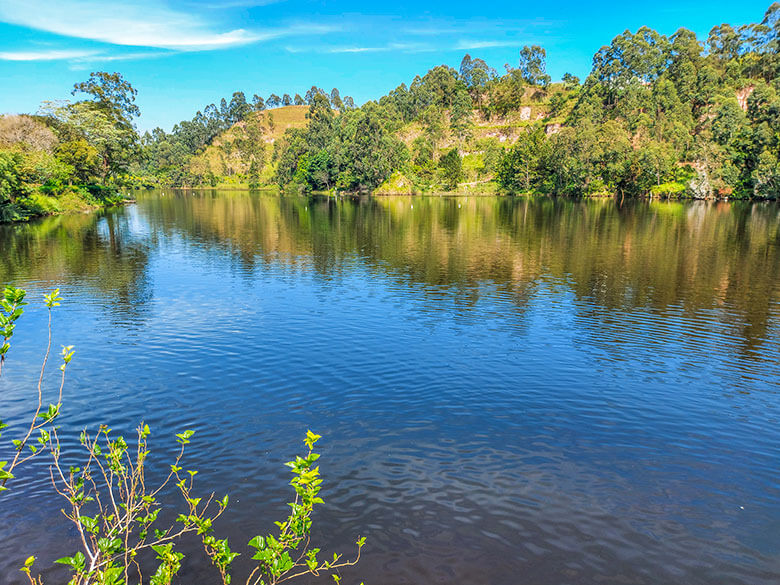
(274, 123)
(284, 118)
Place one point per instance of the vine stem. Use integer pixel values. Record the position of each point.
(40, 402)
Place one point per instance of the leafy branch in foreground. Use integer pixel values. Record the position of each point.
(118, 516)
(116, 513)
(288, 555)
(11, 304)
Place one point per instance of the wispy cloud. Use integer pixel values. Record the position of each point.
(85, 62)
(466, 44)
(358, 50)
(78, 56)
(413, 47)
(140, 23)
(431, 31)
(478, 26)
(300, 29)
(47, 55)
(124, 56)
(223, 4)
(397, 47)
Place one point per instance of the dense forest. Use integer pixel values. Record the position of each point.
(672, 116)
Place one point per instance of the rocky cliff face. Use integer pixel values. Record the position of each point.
(743, 95)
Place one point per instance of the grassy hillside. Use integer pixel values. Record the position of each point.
(230, 156)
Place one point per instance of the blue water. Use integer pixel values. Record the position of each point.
(510, 390)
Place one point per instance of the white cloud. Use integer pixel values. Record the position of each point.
(49, 55)
(486, 44)
(477, 26)
(431, 31)
(223, 4)
(141, 23)
(413, 48)
(104, 57)
(397, 47)
(358, 49)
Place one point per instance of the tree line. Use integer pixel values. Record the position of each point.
(667, 116)
(657, 115)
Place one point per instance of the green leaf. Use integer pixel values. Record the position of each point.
(311, 438)
(4, 475)
(184, 437)
(52, 299)
(162, 549)
(91, 524)
(50, 413)
(76, 562)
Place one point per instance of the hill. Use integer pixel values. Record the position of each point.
(231, 155)
(671, 116)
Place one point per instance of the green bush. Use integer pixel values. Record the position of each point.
(671, 189)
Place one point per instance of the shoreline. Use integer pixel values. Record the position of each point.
(649, 197)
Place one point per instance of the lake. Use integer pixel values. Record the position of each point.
(510, 390)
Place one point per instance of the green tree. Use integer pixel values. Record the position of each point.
(238, 108)
(570, 80)
(116, 146)
(766, 176)
(10, 177)
(451, 166)
(273, 101)
(460, 115)
(518, 170)
(312, 92)
(533, 65)
(113, 95)
(372, 153)
(475, 74)
(105, 121)
(335, 100)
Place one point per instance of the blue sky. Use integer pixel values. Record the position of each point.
(184, 54)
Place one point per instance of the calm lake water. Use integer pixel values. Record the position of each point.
(511, 391)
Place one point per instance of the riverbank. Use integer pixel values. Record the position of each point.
(83, 199)
(482, 189)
